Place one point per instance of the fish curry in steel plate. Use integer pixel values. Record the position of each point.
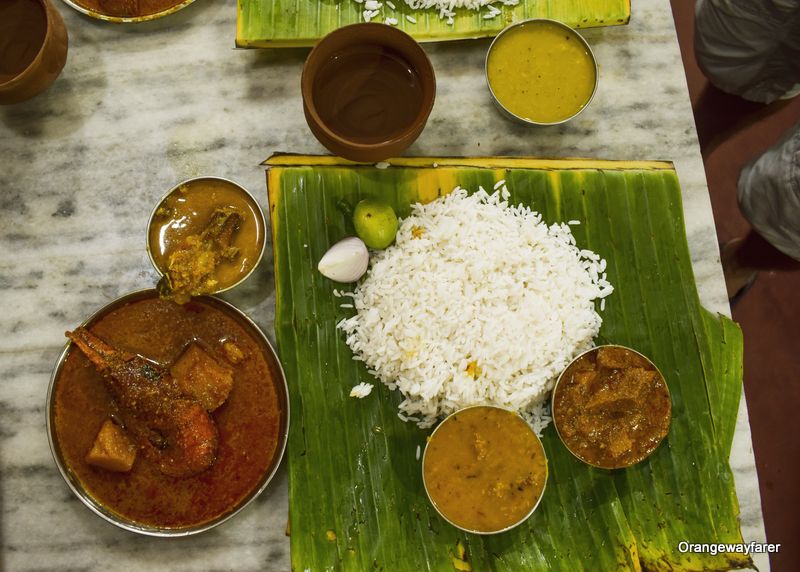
(169, 416)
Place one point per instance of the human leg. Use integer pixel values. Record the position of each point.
(743, 258)
(769, 197)
(750, 48)
(769, 194)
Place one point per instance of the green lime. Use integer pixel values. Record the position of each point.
(375, 222)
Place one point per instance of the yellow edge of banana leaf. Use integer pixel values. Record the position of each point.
(561, 164)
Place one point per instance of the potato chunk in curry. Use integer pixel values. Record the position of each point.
(202, 377)
(112, 449)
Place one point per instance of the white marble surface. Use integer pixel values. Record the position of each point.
(139, 108)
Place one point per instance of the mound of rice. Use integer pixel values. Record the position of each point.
(446, 9)
(476, 302)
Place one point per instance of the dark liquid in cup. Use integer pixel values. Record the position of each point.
(367, 93)
(23, 26)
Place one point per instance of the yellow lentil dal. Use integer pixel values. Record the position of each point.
(541, 71)
(484, 469)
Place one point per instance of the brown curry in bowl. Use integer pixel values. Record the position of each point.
(204, 237)
(166, 418)
(611, 407)
(484, 469)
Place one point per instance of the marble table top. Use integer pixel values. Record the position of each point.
(139, 108)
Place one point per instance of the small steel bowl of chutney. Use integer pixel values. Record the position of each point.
(484, 469)
(611, 407)
(368, 90)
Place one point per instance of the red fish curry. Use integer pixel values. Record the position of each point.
(169, 416)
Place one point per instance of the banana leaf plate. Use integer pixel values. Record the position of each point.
(356, 499)
(297, 23)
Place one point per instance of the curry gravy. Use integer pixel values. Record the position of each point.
(484, 469)
(611, 407)
(187, 210)
(367, 93)
(249, 422)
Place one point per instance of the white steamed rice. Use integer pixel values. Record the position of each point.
(476, 302)
(446, 9)
(361, 390)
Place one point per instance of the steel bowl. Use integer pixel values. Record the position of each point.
(257, 210)
(281, 389)
(558, 382)
(444, 516)
(523, 120)
(126, 19)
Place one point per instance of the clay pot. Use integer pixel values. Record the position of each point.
(369, 36)
(45, 67)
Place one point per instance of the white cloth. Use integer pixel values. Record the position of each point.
(769, 194)
(750, 48)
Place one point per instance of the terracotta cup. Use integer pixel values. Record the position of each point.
(374, 35)
(45, 66)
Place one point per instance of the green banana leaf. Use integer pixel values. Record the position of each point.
(356, 499)
(294, 23)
